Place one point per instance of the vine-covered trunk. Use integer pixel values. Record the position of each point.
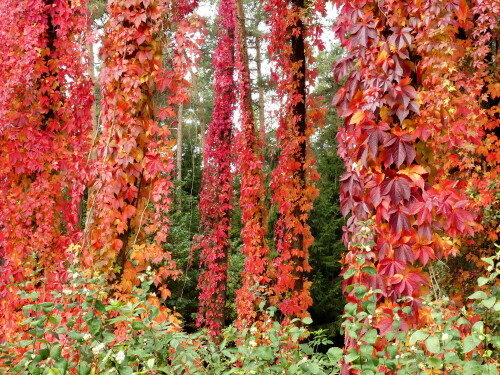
(411, 116)
(260, 84)
(255, 276)
(132, 173)
(45, 118)
(292, 186)
(216, 199)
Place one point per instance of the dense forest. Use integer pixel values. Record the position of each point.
(249, 187)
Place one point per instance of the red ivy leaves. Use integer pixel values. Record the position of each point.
(134, 153)
(216, 196)
(293, 190)
(397, 118)
(255, 276)
(45, 106)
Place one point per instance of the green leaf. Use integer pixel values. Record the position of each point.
(418, 336)
(310, 368)
(77, 336)
(83, 368)
(154, 312)
(488, 303)
(307, 320)
(108, 337)
(94, 326)
(351, 357)
(174, 343)
(432, 344)
(434, 362)
(125, 370)
(482, 280)
(351, 308)
(392, 351)
(55, 320)
(366, 350)
(478, 295)
(62, 365)
(470, 343)
(265, 353)
(472, 368)
(55, 352)
(335, 354)
(99, 306)
(451, 357)
(369, 270)
(44, 353)
(138, 325)
(349, 273)
(370, 336)
(489, 261)
(360, 292)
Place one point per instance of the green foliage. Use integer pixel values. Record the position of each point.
(458, 342)
(326, 220)
(125, 338)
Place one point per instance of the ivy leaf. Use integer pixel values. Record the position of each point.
(362, 32)
(470, 343)
(400, 37)
(399, 149)
(432, 344)
(399, 220)
(418, 336)
(397, 188)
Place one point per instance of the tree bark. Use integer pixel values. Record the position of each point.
(179, 142)
(299, 113)
(260, 84)
(241, 36)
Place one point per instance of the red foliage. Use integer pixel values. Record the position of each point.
(45, 120)
(134, 153)
(217, 193)
(292, 186)
(405, 104)
(255, 276)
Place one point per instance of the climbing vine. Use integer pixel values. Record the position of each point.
(216, 200)
(45, 120)
(256, 276)
(128, 211)
(292, 180)
(403, 118)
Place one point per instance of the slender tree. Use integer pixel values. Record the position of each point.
(255, 277)
(216, 195)
(292, 178)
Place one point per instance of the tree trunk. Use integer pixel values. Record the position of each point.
(201, 114)
(179, 142)
(260, 84)
(241, 36)
(299, 113)
(255, 278)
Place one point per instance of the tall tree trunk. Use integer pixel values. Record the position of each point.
(255, 277)
(132, 170)
(241, 35)
(298, 58)
(216, 198)
(201, 113)
(260, 84)
(179, 142)
(293, 190)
